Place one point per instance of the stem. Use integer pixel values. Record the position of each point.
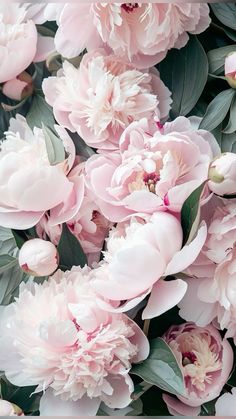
(146, 326)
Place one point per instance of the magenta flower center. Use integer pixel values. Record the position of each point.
(150, 180)
(129, 7)
(188, 358)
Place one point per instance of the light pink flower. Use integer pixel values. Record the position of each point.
(103, 96)
(57, 337)
(9, 409)
(137, 258)
(19, 88)
(29, 184)
(222, 175)
(212, 277)
(226, 404)
(230, 69)
(18, 40)
(38, 257)
(155, 168)
(142, 33)
(206, 361)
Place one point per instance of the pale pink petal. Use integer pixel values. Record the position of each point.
(45, 47)
(122, 389)
(176, 407)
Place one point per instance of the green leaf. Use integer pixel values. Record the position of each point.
(208, 409)
(225, 13)
(20, 237)
(40, 112)
(54, 145)
(217, 110)
(190, 213)
(231, 127)
(185, 72)
(7, 262)
(216, 58)
(161, 368)
(70, 250)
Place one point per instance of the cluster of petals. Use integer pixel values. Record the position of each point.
(211, 279)
(139, 32)
(57, 337)
(206, 361)
(156, 168)
(103, 96)
(131, 248)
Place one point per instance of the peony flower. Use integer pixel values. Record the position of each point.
(9, 409)
(19, 88)
(103, 96)
(29, 184)
(230, 69)
(56, 336)
(211, 279)
(226, 404)
(18, 40)
(222, 175)
(38, 257)
(155, 168)
(141, 33)
(206, 361)
(137, 258)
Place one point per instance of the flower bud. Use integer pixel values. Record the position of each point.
(230, 69)
(222, 175)
(9, 409)
(19, 88)
(38, 257)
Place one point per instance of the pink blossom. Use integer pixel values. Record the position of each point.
(230, 69)
(138, 257)
(29, 184)
(103, 96)
(211, 279)
(9, 409)
(57, 337)
(226, 404)
(38, 257)
(222, 175)
(19, 88)
(206, 361)
(142, 33)
(155, 168)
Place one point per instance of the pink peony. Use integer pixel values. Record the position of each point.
(137, 258)
(38, 257)
(155, 168)
(226, 404)
(9, 409)
(19, 88)
(141, 33)
(18, 40)
(206, 361)
(56, 336)
(103, 96)
(29, 184)
(230, 69)
(212, 277)
(222, 175)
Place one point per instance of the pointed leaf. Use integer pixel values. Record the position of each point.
(190, 213)
(225, 13)
(54, 145)
(217, 110)
(70, 250)
(231, 127)
(7, 262)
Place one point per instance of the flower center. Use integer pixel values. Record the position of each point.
(150, 180)
(129, 7)
(188, 358)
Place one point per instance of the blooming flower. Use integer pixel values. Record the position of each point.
(138, 255)
(222, 174)
(226, 404)
(56, 336)
(140, 32)
(211, 281)
(103, 96)
(9, 409)
(230, 69)
(38, 257)
(155, 168)
(29, 184)
(206, 361)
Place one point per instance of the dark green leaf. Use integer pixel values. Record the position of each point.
(161, 368)
(231, 127)
(217, 57)
(185, 72)
(70, 250)
(7, 262)
(54, 145)
(40, 112)
(208, 409)
(217, 110)
(20, 237)
(190, 211)
(225, 13)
